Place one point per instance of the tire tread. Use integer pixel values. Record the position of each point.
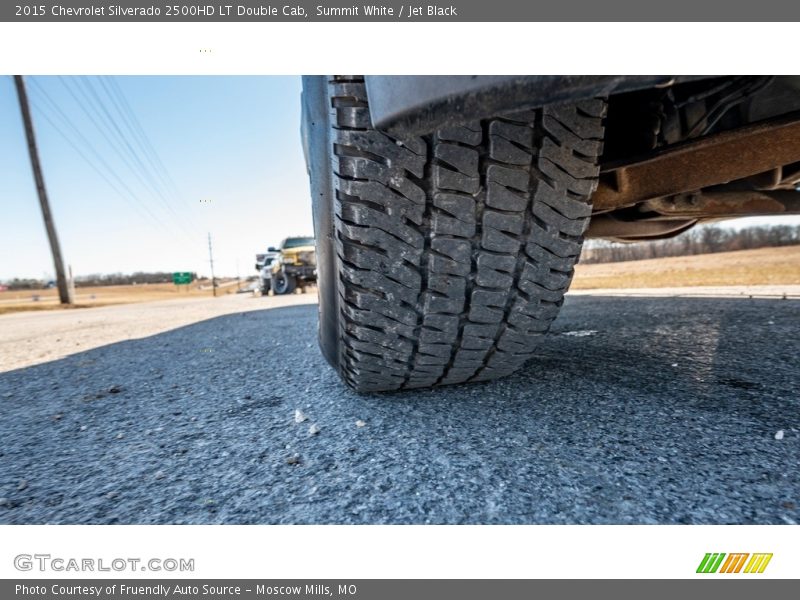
(454, 250)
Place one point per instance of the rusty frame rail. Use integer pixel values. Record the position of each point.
(700, 163)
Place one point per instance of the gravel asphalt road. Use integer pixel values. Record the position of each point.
(639, 410)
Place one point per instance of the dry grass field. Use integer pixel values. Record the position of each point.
(15, 301)
(764, 266)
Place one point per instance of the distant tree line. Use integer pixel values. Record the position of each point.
(24, 284)
(97, 279)
(704, 239)
(137, 278)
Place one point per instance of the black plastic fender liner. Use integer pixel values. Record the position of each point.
(408, 105)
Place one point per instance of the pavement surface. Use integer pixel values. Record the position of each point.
(639, 410)
(34, 337)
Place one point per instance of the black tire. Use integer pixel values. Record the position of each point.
(283, 283)
(444, 258)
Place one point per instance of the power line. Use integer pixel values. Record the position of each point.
(102, 129)
(127, 145)
(133, 152)
(114, 91)
(107, 132)
(133, 199)
(123, 107)
(65, 119)
(155, 219)
(121, 136)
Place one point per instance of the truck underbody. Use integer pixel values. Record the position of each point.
(450, 211)
(678, 150)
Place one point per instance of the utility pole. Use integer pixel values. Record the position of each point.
(64, 291)
(211, 262)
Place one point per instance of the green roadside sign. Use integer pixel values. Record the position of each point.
(181, 278)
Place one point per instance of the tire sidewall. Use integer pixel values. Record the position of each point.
(317, 143)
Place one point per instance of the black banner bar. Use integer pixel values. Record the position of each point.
(398, 11)
(731, 588)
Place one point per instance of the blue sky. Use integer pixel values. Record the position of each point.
(232, 165)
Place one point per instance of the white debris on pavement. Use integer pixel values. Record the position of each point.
(580, 333)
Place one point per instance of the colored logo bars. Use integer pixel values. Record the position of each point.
(734, 562)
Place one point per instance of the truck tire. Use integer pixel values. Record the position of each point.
(444, 258)
(283, 283)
